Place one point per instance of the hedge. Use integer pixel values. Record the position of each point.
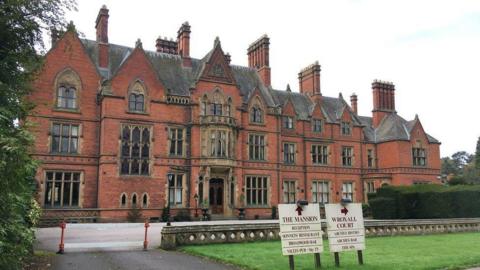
(425, 201)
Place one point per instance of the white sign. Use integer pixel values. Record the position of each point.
(300, 229)
(345, 227)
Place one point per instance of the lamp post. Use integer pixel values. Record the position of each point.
(196, 204)
(170, 181)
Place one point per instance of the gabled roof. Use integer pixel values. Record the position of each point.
(179, 80)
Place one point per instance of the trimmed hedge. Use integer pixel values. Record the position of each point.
(425, 201)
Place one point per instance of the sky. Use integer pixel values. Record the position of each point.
(429, 49)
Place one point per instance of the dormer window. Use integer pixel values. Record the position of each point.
(136, 97)
(136, 102)
(317, 125)
(67, 97)
(288, 122)
(256, 115)
(346, 128)
(67, 90)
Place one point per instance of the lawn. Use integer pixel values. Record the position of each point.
(444, 251)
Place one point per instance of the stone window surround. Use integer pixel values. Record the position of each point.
(67, 77)
(138, 87)
(43, 185)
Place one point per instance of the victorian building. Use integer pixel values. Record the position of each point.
(119, 127)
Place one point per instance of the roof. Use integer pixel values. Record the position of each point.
(179, 80)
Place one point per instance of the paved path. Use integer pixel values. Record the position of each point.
(133, 260)
(112, 236)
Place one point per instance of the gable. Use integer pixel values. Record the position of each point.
(417, 133)
(216, 68)
(288, 108)
(137, 67)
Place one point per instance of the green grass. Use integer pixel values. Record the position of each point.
(445, 251)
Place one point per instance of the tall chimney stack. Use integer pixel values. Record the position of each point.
(353, 103)
(309, 80)
(383, 100)
(165, 45)
(101, 25)
(183, 39)
(258, 58)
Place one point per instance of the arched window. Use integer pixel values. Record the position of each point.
(256, 115)
(134, 200)
(123, 200)
(67, 87)
(217, 104)
(135, 150)
(136, 102)
(136, 97)
(145, 200)
(67, 97)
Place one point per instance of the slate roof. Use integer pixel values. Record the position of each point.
(179, 80)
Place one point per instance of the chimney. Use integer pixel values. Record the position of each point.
(353, 103)
(101, 25)
(228, 58)
(183, 39)
(383, 100)
(166, 46)
(258, 58)
(309, 80)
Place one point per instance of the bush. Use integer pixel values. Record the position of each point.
(134, 215)
(274, 212)
(383, 208)
(182, 215)
(426, 201)
(165, 214)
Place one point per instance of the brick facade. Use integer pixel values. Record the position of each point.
(205, 108)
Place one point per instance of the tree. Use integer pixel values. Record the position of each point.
(477, 156)
(22, 23)
(449, 167)
(461, 159)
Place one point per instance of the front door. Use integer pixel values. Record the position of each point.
(216, 196)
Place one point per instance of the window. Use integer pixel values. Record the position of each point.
(256, 115)
(289, 153)
(257, 190)
(320, 191)
(289, 191)
(347, 191)
(346, 128)
(419, 157)
(64, 138)
(62, 189)
(370, 187)
(218, 143)
(135, 153)
(175, 189)
(134, 200)
(347, 154)
(216, 109)
(136, 102)
(67, 97)
(176, 141)
(145, 200)
(123, 200)
(256, 147)
(370, 158)
(288, 122)
(319, 154)
(317, 125)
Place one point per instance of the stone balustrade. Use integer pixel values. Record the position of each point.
(174, 236)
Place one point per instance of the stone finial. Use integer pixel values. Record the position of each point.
(288, 88)
(216, 42)
(138, 43)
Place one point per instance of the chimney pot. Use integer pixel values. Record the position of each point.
(353, 103)
(309, 79)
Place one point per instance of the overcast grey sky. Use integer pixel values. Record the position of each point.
(430, 50)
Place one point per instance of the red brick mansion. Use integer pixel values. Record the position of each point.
(120, 127)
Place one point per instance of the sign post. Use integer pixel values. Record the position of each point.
(345, 229)
(300, 231)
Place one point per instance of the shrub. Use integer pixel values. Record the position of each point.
(134, 215)
(165, 214)
(182, 215)
(426, 201)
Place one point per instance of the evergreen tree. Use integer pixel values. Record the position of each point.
(477, 156)
(22, 23)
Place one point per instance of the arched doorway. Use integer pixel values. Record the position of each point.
(215, 195)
